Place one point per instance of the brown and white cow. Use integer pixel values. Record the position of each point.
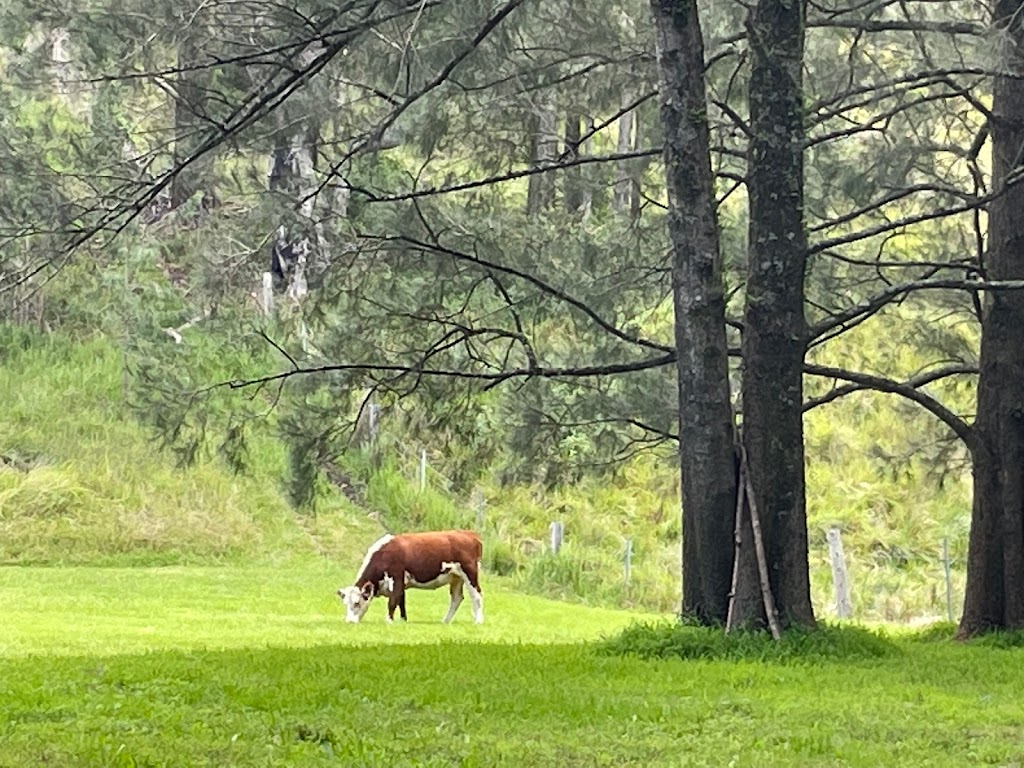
(417, 561)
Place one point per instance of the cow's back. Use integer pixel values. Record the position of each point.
(422, 554)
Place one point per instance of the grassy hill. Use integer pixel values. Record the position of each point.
(82, 482)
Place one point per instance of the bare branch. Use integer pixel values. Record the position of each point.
(885, 297)
(376, 135)
(492, 378)
(554, 165)
(888, 198)
(883, 384)
(916, 382)
(896, 25)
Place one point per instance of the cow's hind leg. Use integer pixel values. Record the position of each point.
(476, 595)
(469, 573)
(456, 598)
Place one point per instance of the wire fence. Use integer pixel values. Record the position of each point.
(842, 588)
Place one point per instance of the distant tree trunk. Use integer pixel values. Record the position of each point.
(541, 190)
(189, 113)
(706, 454)
(69, 77)
(623, 172)
(636, 169)
(775, 330)
(994, 597)
(573, 193)
(588, 174)
(290, 176)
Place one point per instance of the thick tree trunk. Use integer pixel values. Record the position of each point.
(774, 336)
(995, 564)
(707, 458)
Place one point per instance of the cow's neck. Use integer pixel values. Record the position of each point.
(371, 574)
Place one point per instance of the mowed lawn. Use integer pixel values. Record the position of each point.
(254, 666)
(106, 611)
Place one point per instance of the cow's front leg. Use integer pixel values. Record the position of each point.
(397, 597)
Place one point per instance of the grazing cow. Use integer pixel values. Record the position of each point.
(417, 561)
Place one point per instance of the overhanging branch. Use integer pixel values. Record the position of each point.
(491, 378)
(550, 290)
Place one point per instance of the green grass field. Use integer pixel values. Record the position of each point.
(154, 616)
(254, 666)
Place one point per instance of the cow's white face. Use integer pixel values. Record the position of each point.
(356, 601)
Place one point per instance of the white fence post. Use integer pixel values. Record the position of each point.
(556, 536)
(627, 563)
(949, 583)
(267, 295)
(839, 579)
(423, 469)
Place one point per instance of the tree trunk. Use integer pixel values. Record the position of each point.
(300, 254)
(189, 111)
(775, 331)
(994, 596)
(541, 189)
(637, 169)
(706, 454)
(623, 172)
(573, 193)
(589, 174)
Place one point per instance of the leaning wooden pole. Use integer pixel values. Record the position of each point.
(762, 560)
(737, 539)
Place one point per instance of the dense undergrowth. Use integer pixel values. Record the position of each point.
(673, 639)
(81, 481)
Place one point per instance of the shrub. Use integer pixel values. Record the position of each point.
(673, 639)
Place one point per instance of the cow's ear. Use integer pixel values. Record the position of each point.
(368, 590)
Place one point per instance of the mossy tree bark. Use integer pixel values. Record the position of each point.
(705, 418)
(994, 598)
(775, 329)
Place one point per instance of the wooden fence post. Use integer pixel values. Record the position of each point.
(839, 578)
